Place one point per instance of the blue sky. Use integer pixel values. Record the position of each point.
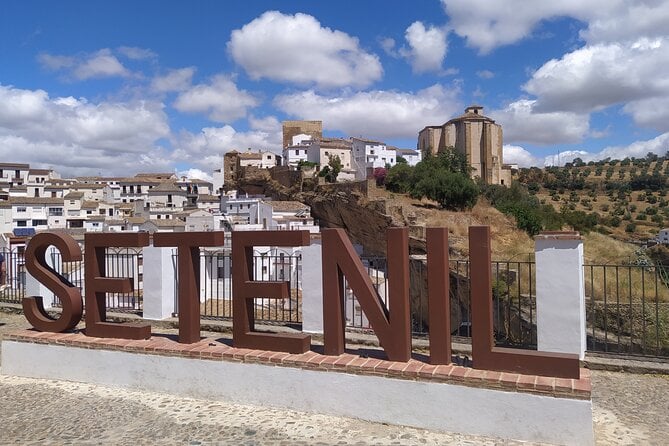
(90, 87)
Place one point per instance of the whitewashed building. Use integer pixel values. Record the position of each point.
(369, 154)
(263, 159)
(14, 173)
(283, 215)
(411, 156)
(298, 151)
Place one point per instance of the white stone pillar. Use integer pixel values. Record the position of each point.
(560, 293)
(312, 288)
(159, 291)
(35, 288)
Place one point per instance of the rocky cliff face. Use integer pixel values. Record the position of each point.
(366, 213)
(334, 206)
(365, 221)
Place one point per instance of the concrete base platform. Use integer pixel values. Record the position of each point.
(264, 378)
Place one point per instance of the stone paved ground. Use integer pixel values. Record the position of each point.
(628, 409)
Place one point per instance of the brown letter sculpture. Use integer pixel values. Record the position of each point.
(188, 252)
(97, 285)
(245, 290)
(69, 295)
(438, 298)
(391, 326)
(485, 355)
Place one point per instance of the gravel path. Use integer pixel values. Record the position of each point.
(628, 409)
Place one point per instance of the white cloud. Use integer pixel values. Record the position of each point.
(100, 64)
(658, 145)
(638, 149)
(487, 25)
(651, 112)
(628, 20)
(206, 149)
(136, 53)
(427, 47)
(522, 123)
(603, 133)
(375, 114)
(195, 174)
(478, 92)
(600, 75)
(267, 124)
(560, 158)
(174, 80)
(55, 63)
(75, 135)
(518, 155)
(220, 100)
(75, 160)
(297, 49)
(388, 46)
(485, 74)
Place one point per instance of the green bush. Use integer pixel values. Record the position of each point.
(399, 178)
(443, 178)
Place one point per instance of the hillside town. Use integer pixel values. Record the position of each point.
(38, 199)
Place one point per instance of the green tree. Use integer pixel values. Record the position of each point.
(331, 171)
(450, 189)
(580, 220)
(399, 178)
(527, 219)
(530, 214)
(578, 162)
(445, 178)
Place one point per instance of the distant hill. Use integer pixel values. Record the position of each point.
(627, 197)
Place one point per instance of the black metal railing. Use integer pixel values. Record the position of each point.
(627, 309)
(216, 286)
(513, 293)
(12, 276)
(125, 262)
(627, 306)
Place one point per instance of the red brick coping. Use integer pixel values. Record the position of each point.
(214, 349)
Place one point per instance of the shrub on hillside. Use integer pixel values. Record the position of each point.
(398, 178)
(443, 178)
